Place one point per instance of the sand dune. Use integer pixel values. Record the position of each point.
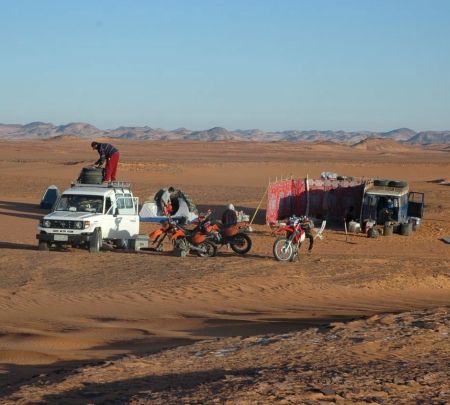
(382, 145)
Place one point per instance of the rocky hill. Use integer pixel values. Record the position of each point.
(430, 137)
(43, 130)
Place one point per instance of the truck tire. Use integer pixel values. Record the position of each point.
(92, 179)
(381, 182)
(95, 242)
(406, 229)
(91, 175)
(43, 246)
(398, 183)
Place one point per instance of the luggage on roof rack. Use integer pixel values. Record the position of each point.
(113, 184)
(91, 175)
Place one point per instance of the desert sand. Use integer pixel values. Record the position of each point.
(357, 320)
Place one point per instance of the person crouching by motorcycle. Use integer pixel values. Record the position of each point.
(229, 216)
(164, 202)
(111, 155)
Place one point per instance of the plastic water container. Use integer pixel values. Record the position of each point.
(354, 227)
(388, 229)
(415, 222)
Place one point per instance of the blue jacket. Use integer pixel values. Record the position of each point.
(105, 150)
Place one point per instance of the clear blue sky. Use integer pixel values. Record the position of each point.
(274, 65)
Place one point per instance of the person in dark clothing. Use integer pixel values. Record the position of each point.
(350, 215)
(111, 155)
(229, 216)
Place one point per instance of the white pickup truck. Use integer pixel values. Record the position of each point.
(88, 214)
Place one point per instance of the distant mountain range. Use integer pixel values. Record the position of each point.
(42, 130)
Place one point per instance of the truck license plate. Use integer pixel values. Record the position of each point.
(61, 238)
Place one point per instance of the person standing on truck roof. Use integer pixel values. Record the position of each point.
(111, 155)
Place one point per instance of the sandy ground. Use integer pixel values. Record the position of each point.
(63, 312)
(379, 360)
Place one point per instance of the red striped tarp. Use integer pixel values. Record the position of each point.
(328, 199)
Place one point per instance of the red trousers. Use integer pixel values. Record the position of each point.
(111, 167)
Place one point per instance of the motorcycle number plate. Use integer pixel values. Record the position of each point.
(61, 238)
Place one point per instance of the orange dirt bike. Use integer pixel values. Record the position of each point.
(297, 229)
(158, 236)
(233, 235)
(184, 240)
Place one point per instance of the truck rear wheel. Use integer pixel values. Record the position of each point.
(95, 242)
(406, 229)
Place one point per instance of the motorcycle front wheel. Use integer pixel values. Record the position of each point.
(241, 244)
(207, 249)
(283, 249)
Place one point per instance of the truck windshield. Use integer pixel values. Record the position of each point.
(80, 203)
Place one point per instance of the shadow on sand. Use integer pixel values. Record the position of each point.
(22, 210)
(120, 391)
(18, 375)
(18, 246)
(217, 211)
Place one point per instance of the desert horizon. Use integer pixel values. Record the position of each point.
(225, 202)
(43, 130)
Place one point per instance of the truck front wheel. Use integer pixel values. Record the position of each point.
(43, 246)
(95, 242)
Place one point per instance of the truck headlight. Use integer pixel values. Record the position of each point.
(46, 223)
(79, 224)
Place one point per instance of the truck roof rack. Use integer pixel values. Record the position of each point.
(112, 184)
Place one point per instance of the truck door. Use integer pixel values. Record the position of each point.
(109, 220)
(416, 203)
(127, 217)
(369, 208)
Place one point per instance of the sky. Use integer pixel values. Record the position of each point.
(240, 64)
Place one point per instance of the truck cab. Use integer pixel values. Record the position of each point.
(88, 215)
(391, 201)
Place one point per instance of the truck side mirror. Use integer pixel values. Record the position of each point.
(116, 211)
